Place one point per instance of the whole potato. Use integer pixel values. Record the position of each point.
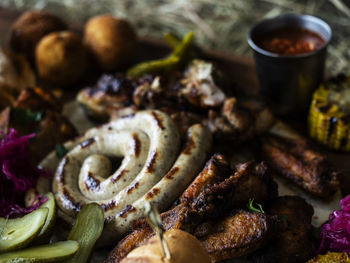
(61, 58)
(29, 28)
(112, 41)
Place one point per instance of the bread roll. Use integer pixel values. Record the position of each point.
(183, 247)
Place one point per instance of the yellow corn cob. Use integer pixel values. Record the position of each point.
(331, 257)
(329, 123)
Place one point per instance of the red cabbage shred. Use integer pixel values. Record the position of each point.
(335, 234)
(17, 175)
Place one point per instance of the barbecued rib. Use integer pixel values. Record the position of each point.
(298, 162)
(210, 198)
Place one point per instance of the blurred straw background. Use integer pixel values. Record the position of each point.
(222, 24)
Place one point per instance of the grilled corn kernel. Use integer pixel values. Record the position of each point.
(329, 116)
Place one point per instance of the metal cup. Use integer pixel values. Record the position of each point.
(288, 81)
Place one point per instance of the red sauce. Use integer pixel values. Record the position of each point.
(291, 41)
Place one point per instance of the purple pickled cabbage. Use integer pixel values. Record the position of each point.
(335, 234)
(17, 175)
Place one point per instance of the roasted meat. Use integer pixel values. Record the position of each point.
(293, 242)
(111, 93)
(210, 200)
(297, 161)
(200, 87)
(240, 120)
(237, 234)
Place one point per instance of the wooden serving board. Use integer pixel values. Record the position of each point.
(240, 69)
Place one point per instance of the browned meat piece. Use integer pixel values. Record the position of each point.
(293, 242)
(208, 200)
(37, 99)
(183, 119)
(238, 234)
(255, 183)
(111, 92)
(199, 86)
(298, 162)
(240, 120)
(215, 170)
(148, 93)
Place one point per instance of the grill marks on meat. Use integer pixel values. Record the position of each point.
(205, 202)
(298, 162)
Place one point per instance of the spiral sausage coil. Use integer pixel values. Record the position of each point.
(153, 168)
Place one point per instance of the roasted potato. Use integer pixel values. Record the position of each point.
(61, 58)
(29, 28)
(112, 41)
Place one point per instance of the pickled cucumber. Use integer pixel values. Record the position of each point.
(45, 253)
(86, 230)
(46, 230)
(177, 59)
(19, 232)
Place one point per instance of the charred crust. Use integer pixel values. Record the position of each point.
(60, 171)
(158, 120)
(128, 116)
(150, 164)
(128, 209)
(153, 192)
(137, 144)
(69, 200)
(119, 175)
(110, 205)
(87, 142)
(132, 188)
(92, 183)
(172, 172)
(189, 146)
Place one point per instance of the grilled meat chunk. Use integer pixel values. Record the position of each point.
(208, 201)
(238, 234)
(293, 242)
(298, 162)
(111, 93)
(240, 120)
(200, 87)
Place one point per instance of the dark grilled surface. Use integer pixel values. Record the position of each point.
(208, 209)
(298, 162)
(293, 242)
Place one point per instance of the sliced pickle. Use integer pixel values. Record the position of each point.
(45, 253)
(19, 232)
(46, 230)
(86, 230)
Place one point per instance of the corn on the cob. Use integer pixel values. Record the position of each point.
(329, 116)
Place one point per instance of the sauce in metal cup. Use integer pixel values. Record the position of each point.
(290, 53)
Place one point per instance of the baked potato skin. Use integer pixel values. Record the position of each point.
(29, 28)
(61, 58)
(111, 41)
